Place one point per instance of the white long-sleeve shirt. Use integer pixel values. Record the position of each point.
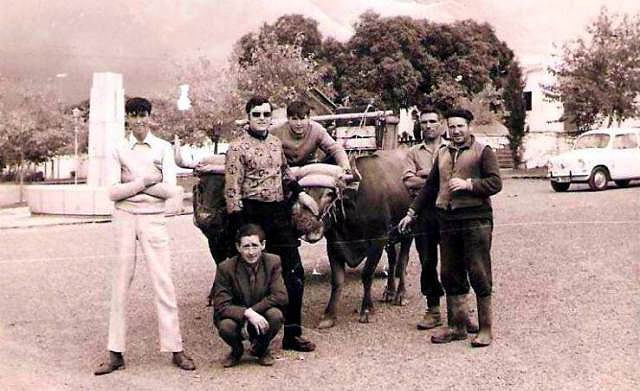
(133, 160)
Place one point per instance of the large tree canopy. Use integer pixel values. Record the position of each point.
(598, 79)
(397, 61)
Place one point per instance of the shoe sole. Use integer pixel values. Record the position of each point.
(111, 371)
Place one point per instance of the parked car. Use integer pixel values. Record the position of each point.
(599, 156)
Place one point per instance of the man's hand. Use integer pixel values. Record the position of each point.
(308, 202)
(423, 173)
(405, 223)
(257, 320)
(152, 179)
(126, 175)
(457, 184)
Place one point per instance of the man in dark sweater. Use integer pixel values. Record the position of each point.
(249, 295)
(257, 179)
(464, 175)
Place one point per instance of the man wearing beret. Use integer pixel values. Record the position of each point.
(464, 175)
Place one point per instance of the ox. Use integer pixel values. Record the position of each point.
(357, 226)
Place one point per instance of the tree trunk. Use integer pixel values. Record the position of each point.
(21, 175)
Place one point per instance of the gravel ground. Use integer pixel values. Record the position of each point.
(567, 299)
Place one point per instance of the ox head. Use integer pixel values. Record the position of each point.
(325, 186)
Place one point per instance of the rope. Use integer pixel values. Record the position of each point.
(337, 244)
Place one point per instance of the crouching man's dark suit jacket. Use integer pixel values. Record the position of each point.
(235, 290)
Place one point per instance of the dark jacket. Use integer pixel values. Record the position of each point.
(473, 161)
(232, 288)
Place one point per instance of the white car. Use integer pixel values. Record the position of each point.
(599, 156)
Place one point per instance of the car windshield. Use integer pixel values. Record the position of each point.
(595, 140)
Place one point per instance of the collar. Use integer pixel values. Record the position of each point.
(299, 136)
(258, 135)
(466, 145)
(149, 140)
(252, 266)
(433, 148)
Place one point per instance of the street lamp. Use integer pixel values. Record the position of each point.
(76, 116)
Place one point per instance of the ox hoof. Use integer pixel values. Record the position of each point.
(326, 323)
(388, 296)
(400, 300)
(364, 318)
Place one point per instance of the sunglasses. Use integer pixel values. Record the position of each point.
(258, 114)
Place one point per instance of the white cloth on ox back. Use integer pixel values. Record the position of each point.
(317, 168)
(319, 180)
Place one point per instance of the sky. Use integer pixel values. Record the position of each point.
(62, 42)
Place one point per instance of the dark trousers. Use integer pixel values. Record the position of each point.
(465, 246)
(427, 237)
(230, 331)
(282, 240)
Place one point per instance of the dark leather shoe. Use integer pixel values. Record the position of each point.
(115, 361)
(233, 358)
(266, 359)
(298, 344)
(183, 361)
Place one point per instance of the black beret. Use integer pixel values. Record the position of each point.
(461, 113)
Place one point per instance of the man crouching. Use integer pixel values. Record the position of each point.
(249, 294)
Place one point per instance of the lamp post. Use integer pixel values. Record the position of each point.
(76, 116)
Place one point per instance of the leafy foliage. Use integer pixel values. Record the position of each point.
(398, 61)
(514, 102)
(598, 80)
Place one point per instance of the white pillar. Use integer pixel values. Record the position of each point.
(106, 125)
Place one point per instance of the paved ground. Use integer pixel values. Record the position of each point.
(567, 300)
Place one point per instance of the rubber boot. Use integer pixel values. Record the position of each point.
(485, 319)
(472, 327)
(457, 312)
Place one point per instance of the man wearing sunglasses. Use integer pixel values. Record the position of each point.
(257, 178)
(302, 138)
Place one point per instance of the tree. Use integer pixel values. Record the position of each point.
(293, 29)
(514, 105)
(281, 72)
(34, 130)
(598, 80)
(397, 61)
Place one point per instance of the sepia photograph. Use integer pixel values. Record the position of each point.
(320, 195)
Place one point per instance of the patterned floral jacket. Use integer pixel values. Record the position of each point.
(255, 169)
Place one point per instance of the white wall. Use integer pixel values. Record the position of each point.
(544, 113)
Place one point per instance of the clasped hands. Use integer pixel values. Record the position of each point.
(258, 321)
(149, 179)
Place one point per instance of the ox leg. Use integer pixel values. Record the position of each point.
(373, 257)
(389, 294)
(401, 271)
(337, 282)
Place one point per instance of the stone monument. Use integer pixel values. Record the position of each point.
(106, 130)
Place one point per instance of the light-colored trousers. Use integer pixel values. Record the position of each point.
(150, 231)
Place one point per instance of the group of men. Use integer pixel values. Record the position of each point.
(260, 288)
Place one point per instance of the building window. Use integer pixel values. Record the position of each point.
(526, 96)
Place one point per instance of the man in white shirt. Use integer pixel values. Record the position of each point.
(145, 177)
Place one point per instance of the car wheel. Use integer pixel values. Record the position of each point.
(599, 179)
(560, 187)
(622, 182)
